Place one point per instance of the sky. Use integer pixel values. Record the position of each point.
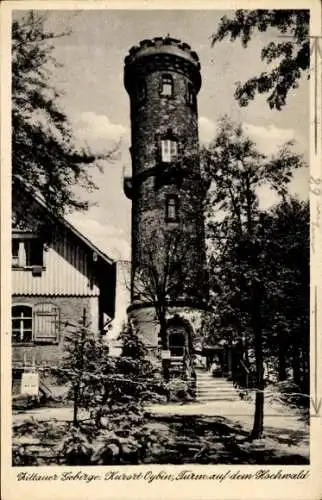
(95, 100)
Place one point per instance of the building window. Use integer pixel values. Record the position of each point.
(15, 253)
(27, 252)
(38, 325)
(172, 209)
(21, 324)
(141, 91)
(169, 150)
(46, 323)
(166, 86)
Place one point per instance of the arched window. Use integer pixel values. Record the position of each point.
(176, 344)
(166, 86)
(21, 324)
(172, 208)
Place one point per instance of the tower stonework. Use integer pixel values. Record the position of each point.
(162, 78)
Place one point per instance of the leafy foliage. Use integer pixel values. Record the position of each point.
(107, 387)
(114, 391)
(75, 448)
(290, 54)
(286, 307)
(44, 155)
(241, 237)
(179, 390)
(85, 367)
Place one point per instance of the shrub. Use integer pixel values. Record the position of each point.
(179, 390)
(75, 448)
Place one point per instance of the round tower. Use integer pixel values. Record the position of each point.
(162, 78)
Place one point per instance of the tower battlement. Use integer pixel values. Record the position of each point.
(164, 53)
(163, 45)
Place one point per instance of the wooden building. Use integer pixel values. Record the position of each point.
(57, 274)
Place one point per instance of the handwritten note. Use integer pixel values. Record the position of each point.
(315, 190)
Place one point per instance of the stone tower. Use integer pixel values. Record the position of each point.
(162, 78)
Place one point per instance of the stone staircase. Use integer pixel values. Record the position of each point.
(214, 388)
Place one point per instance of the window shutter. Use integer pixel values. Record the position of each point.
(46, 323)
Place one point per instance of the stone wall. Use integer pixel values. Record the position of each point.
(145, 323)
(48, 354)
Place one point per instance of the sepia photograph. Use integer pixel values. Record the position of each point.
(160, 238)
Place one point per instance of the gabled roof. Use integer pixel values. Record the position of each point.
(62, 220)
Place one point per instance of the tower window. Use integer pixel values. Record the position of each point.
(141, 91)
(172, 209)
(190, 95)
(167, 86)
(169, 150)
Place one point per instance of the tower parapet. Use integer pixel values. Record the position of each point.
(161, 53)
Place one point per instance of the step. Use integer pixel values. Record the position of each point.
(215, 400)
(217, 396)
(214, 391)
(217, 386)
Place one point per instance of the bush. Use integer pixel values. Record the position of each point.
(75, 448)
(21, 456)
(180, 390)
(290, 394)
(24, 402)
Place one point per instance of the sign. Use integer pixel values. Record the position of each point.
(30, 384)
(114, 351)
(165, 354)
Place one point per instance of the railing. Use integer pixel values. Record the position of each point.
(242, 375)
(247, 372)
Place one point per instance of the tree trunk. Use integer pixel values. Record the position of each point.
(281, 359)
(75, 416)
(257, 430)
(164, 346)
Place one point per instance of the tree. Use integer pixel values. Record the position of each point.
(162, 275)
(84, 366)
(44, 155)
(237, 170)
(291, 53)
(114, 391)
(286, 233)
(157, 275)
